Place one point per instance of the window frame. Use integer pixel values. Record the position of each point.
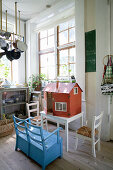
(75, 90)
(62, 103)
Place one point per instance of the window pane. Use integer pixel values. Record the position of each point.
(63, 56)
(43, 44)
(44, 71)
(72, 69)
(43, 60)
(72, 35)
(50, 41)
(75, 90)
(51, 73)
(64, 107)
(51, 31)
(72, 55)
(48, 65)
(51, 59)
(63, 26)
(43, 34)
(63, 37)
(72, 23)
(58, 106)
(5, 68)
(10, 26)
(63, 70)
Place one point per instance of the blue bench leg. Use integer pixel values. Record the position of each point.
(61, 152)
(16, 147)
(43, 167)
(61, 156)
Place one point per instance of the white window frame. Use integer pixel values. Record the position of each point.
(62, 106)
(75, 90)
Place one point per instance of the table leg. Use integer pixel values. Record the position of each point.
(66, 136)
(42, 121)
(57, 124)
(82, 120)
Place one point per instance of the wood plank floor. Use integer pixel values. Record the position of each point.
(72, 160)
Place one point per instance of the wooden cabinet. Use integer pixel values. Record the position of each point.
(13, 101)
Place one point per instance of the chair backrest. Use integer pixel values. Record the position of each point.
(35, 133)
(96, 124)
(32, 110)
(19, 125)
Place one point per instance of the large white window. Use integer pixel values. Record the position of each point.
(61, 106)
(66, 49)
(58, 58)
(46, 53)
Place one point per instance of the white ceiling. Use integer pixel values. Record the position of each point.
(28, 8)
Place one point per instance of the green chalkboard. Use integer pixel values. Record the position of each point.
(90, 51)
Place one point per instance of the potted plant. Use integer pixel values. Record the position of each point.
(35, 81)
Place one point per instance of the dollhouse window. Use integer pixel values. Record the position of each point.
(75, 90)
(61, 106)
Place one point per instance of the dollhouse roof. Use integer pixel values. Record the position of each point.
(62, 87)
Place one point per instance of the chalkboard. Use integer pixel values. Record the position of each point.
(90, 51)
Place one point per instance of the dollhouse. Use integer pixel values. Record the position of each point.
(62, 99)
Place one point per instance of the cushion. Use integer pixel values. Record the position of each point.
(38, 118)
(86, 131)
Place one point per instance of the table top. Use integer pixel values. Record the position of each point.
(62, 119)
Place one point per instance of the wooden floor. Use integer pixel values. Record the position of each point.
(72, 160)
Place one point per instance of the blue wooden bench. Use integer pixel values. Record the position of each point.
(37, 143)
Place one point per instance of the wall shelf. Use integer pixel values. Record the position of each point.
(13, 100)
(13, 104)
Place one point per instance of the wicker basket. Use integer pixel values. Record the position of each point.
(6, 127)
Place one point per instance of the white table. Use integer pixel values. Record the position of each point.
(62, 120)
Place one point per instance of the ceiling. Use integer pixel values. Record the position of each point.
(28, 8)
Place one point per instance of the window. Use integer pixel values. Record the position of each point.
(46, 53)
(66, 49)
(57, 59)
(75, 90)
(61, 106)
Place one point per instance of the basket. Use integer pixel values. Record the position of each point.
(6, 127)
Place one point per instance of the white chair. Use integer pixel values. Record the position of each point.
(92, 135)
(36, 119)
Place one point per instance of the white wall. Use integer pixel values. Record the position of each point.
(80, 54)
(111, 127)
(80, 44)
(102, 46)
(90, 77)
(97, 17)
(32, 64)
